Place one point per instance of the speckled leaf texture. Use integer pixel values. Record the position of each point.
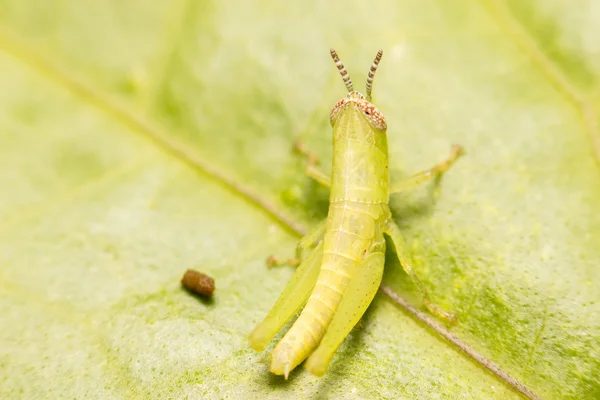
(141, 138)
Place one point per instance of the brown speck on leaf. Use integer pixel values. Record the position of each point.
(197, 282)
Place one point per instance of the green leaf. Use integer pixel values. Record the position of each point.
(139, 139)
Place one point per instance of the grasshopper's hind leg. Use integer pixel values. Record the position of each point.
(357, 297)
(308, 241)
(424, 176)
(290, 301)
(392, 230)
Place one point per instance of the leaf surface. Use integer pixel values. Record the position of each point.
(139, 139)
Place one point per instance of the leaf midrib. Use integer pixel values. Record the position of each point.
(175, 148)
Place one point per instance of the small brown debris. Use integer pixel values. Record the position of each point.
(197, 282)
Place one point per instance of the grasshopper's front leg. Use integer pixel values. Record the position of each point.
(312, 168)
(313, 171)
(392, 230)
(424, 176)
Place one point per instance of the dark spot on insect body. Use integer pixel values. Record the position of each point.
(197, 282)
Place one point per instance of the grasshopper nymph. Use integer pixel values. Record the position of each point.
(339, 278)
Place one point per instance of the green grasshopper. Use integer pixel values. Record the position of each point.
(339, 278)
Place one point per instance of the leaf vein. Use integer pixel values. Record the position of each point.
(507, 22)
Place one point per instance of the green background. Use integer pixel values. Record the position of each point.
(128, 127)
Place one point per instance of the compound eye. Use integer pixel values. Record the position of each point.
(336, 110)
(374, 116)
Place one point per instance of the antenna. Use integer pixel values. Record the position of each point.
(372, 73)
(342, 69)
